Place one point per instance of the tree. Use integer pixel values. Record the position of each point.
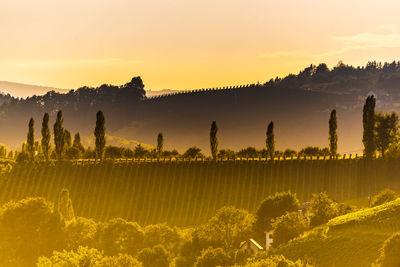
(100, 134)
(29, 228)
(65, 206)
(46, 136)
(119, 236)
(270, 142)
(77, 143)
(160, 144)
(59, 135)
(140, 151)
(386, 131)
(273, 207)
(288, 226)
(214, 140)
(333, 138)
(193, 152)
(67, 138)
(83, 256)
(369, 127)
(383, 197)
(30, 140)
(229, 227)
(275, 261)
(154, 257)
(212, 257)
(323, 208)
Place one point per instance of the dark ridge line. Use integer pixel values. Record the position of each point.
(187, 92)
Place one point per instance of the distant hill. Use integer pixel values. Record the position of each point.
(26, 90)
(298, 104)
(351, 240)
(152, 93)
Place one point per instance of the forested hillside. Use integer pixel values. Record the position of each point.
(298, 104)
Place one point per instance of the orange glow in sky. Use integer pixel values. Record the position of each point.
(181, 44)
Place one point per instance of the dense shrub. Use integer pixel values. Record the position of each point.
(193, 152)
(288, 226)
(80, 232)
(119, 236)
(154, 257)
(29, 228)
(275, 261)
(323, 208)
(384, 196)
(212, 257)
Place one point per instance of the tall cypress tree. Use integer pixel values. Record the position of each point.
(67, 138)
(46, 136)
(214, 140)
(59, 135)
(65, 206)
(369, 127)
(333, 138)
(30, 140)
(270, 142)
(160, 144)
(100, 134)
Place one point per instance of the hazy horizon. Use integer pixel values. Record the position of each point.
(75, 43)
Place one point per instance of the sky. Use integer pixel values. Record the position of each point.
(186, 44)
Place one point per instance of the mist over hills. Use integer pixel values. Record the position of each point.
(298, 104)
(26, 90)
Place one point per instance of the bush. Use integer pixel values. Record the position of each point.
(154, 257)
(288, 226)
(390, 252)
(123, 260)
(113, 152)
(82, 257)
(273, 207)
(119, 236)
(22, 157)
(193, 152)
(275, 261)
(323, 208)
(72, 153)
(212, 257)
(80, 232)
(384, 196)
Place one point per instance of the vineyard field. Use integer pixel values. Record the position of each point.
(189, 193)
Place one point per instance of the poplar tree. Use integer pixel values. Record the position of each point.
(67, 138)
(160, 144)
(30, 140)
(46, 136)
(270, 142)
(59, 135)
(333, 138)
(369, 127)
(65, 206)
(214, 140)
(77, 142)
(100, 134)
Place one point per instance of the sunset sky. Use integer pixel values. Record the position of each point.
(183, 44)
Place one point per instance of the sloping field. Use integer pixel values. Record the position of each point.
(350, 240)
(189, 193)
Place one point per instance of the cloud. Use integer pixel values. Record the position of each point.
(390, 27)
(370, 40)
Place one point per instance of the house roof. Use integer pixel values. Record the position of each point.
(252, 241)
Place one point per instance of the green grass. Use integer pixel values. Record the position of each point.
(353, 239)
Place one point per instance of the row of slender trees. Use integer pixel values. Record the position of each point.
(380, 131)
(62, 137)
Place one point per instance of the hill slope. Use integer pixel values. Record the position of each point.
(26, 90)
(298, 104)
(350, 240)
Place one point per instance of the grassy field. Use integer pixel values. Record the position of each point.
(350, 240)
(189, 193)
